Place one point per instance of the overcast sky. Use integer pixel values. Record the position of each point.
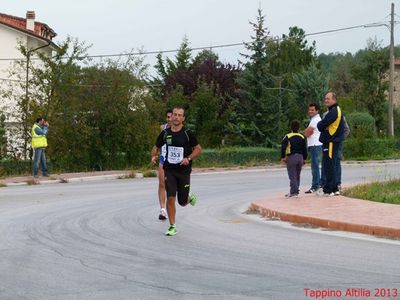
(117, 26)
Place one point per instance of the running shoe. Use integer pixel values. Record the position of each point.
(337, 193)
(310, 191)
(163, 215)
(192, 199)
(171, 230)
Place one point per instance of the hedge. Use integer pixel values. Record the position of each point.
(362, 125)
(375, 149)
(15, 167)
(354, 149)
(237, 156)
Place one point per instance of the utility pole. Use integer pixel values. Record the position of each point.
(391, 75)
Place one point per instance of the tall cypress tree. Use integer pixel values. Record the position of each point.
(258, 108)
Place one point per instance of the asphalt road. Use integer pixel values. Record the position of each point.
(102, 240)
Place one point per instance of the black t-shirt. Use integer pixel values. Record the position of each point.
(178, 146)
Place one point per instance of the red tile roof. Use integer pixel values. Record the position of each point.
(41, 30)
(397, 61)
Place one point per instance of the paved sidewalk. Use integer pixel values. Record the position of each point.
(338, 212)
(64, 177)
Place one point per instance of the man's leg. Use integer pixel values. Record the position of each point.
(183, 188)
(315, 153)
(43, 162)
(36, 160)
(329, 168)
(161, 192)
(299, 165)
(338, 165)
(323, 176)
(171, 187)
(292, 173)
(171, 209)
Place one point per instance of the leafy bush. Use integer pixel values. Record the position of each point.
(237, 156)
(15, 167)
(397, 121)
(150, 173)
(362, 125)
(364, 149)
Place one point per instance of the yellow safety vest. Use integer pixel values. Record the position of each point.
(38, 140)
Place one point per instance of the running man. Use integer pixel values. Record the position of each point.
(181, 148)
(161, 177)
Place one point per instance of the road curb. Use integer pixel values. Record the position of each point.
(73, 179)
(197, 172)
(382, 231)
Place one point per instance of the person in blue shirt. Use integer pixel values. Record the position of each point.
(162, 198)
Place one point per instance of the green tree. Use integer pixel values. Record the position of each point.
(258, 110)
(101, 116)
(309, 85)
(168, 66)
(209, 124)
(293, 53)
(370, 70)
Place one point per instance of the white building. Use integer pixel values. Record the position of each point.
(13, 32)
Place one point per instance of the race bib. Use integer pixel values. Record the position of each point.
(175, 155)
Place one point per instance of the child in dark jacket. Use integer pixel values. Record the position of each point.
(294, 155)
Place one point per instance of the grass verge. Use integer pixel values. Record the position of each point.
(131, 175)
(385, 192)
(150, 173)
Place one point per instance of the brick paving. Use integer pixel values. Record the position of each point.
(336, 212)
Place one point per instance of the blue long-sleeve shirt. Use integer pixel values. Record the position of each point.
(42, 131)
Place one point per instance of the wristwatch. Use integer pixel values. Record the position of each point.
(189, 159)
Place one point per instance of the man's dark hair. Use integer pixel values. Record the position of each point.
(180, 107)
(169, 111)
(39, 119)
(313, 104)
(295, 126)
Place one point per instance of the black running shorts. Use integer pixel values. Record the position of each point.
(177, 181)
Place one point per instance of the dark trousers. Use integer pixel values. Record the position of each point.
(339, 165)
(39, 159)
(330, 156)
(294, 165)
(338, 168)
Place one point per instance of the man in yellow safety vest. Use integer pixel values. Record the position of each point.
(39, 144)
